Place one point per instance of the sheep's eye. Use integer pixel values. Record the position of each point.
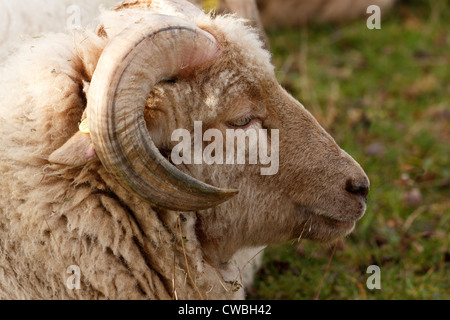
(170, 81)
(241, 123)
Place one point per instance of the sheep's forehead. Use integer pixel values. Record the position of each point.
(209, 97)
(242, 70)
(221, 91)
(242, 41)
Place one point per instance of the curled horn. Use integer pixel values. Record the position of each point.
(129, 68)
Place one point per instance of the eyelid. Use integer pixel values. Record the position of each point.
(246, 121)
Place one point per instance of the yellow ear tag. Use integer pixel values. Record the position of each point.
(209, 5)
(84, 126)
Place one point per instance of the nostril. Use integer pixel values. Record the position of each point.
(360, 188)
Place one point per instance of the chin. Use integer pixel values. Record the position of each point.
(323, 228)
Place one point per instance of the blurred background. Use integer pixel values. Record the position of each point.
(384, 95)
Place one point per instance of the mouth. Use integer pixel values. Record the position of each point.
(323, 227)
(333, 223)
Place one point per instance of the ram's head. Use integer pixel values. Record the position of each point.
(162, 73)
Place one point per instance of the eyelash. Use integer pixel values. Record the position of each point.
(241, 123)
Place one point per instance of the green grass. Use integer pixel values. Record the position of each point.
(385, 97)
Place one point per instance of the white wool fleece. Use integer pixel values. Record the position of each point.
(24, 19)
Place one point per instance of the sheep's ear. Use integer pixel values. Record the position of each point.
(78, 151)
